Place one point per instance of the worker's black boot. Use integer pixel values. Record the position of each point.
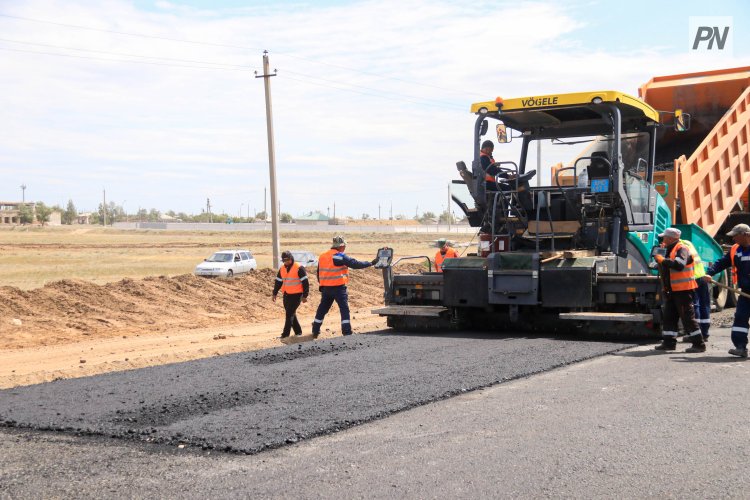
(698, 346)
(667, 344)
(690, 339)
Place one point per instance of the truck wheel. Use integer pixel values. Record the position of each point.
(731, 298)
(723, 297)
(720, 296)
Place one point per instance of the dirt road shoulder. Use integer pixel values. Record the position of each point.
(90, 357)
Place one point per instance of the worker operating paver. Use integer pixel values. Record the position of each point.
(333, 275)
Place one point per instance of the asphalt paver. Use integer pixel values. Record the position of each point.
(249, 402)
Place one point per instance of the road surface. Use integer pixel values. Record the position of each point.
(532, 417)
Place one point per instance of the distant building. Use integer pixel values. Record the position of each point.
(84, 218)
(10, 212)
(313, 219)
(55, 218)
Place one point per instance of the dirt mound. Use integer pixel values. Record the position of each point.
(70, 310)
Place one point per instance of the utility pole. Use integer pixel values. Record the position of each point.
(391, 212)
(378, 212)
(271, 162)
(334, 212)
(23, 194)
(539, 163)
(104, 206)
(208, 210)
(449, 207)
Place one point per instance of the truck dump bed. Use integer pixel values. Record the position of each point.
(706, 168)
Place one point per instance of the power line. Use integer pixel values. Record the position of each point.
(118, 60)
(120, 54)
(116, 32)
(212, 44)
(423, 99)
(453, 106)
(462, 92)
(236, 68)
(220, 66)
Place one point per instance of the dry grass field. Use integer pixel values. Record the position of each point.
(79, 301)
(33, 256)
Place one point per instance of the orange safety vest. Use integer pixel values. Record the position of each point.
(439, 258)
(330, 274)
(291, 284)
(488, 177)
(684, 280)
(732, 253)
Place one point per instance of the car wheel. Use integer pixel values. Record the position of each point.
(230, 273)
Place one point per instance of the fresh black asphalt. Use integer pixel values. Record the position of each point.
(252, 401)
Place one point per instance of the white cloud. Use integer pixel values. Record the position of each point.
(167, 137)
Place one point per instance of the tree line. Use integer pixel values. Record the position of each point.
(112, 212)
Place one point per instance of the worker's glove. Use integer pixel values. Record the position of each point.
(374, 261)
(659, 258)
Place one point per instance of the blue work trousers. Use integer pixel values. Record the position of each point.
(702, 305)
(741, 318)
(331, 294)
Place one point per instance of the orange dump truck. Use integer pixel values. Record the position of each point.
(704, 171)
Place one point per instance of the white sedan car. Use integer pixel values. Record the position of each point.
(303, 257)
(227, 263)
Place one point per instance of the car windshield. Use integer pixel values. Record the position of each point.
(220, 257)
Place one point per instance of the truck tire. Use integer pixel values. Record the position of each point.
(724, 298)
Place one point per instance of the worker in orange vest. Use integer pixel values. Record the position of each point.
(737, 258)
(445, 252)
(333, 275)
(292, 281)
(490, 168)
(678, 279)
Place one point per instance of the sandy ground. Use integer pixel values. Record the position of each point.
(74, 328)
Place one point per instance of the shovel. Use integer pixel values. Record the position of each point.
(731, 289)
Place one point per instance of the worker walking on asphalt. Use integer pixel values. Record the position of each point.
(738, 257)
(702, 298)
(292, 281)
(333, 275)
(678, 279)
(445, 252)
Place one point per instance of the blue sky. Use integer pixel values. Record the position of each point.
(157, 103)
